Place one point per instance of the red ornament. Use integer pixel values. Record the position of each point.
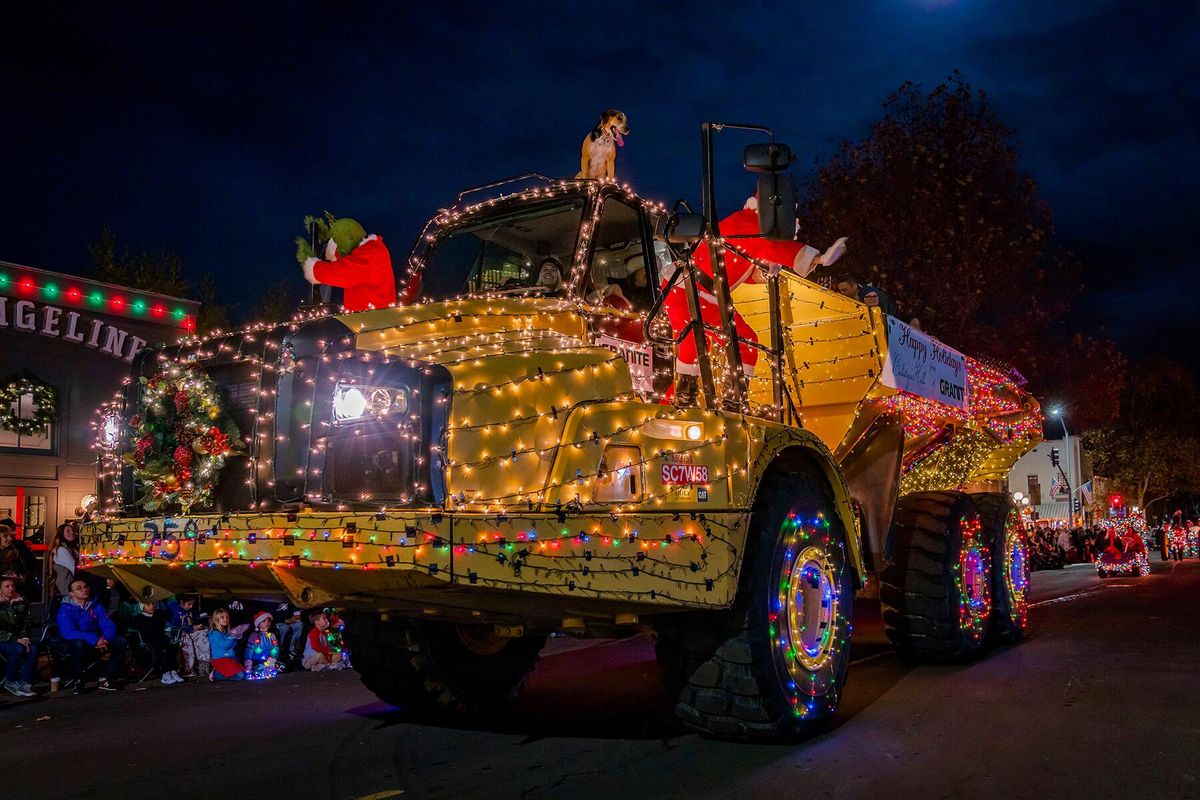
(181, 402)
(141, 448)
(183, 457)
(218, 444)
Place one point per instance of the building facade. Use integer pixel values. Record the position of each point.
(1046, 486)
(66, 343)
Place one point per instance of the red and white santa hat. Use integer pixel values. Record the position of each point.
(259, 617)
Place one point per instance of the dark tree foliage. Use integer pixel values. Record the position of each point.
(940, 216)
(160, 271)
(1152, 450)
(278, 302)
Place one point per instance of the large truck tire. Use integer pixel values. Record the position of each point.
(438, 668)
(936, 590)
(772, 667)
(1010, 565)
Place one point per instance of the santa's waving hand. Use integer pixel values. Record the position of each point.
(353, 261)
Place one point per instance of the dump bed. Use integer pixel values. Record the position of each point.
(966, 420)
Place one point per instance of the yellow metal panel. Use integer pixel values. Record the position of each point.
(833, 351)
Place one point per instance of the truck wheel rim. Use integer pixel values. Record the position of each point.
(480, 639)
(975, 598)
(808, 605)
(1016, 569)
(1017, 574)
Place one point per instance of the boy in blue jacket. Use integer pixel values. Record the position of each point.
(87, 631)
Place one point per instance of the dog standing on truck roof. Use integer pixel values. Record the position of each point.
(601, 143)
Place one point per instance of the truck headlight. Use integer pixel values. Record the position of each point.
(353, 403)
(110, 431)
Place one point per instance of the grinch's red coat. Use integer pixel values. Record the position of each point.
(365, 274)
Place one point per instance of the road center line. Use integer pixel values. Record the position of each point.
(1066, 597)
(865, 659)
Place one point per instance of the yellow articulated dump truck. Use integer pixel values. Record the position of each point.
(579, 420)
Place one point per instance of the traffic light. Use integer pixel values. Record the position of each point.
(1077, 505)
(1054, 456)
(1117, 500)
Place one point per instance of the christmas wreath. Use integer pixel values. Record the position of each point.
(181, 439)
(44, 397)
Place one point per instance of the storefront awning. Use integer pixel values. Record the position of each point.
(1053, 510)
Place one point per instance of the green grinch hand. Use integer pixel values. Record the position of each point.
(346, 233)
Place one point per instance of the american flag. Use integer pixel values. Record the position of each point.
(1058, 485)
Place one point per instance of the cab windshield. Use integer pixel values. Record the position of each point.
(523, 251)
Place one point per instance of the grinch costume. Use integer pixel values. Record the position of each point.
(355, 262)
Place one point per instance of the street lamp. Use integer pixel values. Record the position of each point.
(1057, 412)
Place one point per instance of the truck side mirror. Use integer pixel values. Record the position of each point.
(776, 207)
(685, 228)
(776, 198)
(767, 157)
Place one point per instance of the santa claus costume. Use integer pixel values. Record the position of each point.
(796, 256)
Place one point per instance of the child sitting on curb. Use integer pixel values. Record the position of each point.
(318, 652)
(223, 645)
(262, 649)
(151, 628)
(193, 639)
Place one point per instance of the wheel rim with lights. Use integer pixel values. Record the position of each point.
(1016, 570)
(807, 621)
(973, 579)
(808, 607)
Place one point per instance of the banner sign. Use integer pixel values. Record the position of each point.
(639, 357)
(919, 364)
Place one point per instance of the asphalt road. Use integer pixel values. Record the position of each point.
(1102, 701)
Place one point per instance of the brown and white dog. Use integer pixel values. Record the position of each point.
(600, 145)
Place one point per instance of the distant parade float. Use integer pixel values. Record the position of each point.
(1124, 554)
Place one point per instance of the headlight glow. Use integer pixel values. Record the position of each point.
(110, 431)
(353, 403)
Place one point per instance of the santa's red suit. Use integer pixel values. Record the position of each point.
(365, 274)
(797, 256)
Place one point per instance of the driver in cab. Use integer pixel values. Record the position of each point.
(550, 276)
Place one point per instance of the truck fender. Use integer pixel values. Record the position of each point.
(797, 448)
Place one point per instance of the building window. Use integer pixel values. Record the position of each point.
(1035, 490)
(24, 406)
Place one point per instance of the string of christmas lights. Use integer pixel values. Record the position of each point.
(109, 302)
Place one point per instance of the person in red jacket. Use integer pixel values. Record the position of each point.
(319, 653)
(353, 261)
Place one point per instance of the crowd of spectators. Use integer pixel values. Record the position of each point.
(1051, 548)
(1054, 548)
(93, 632)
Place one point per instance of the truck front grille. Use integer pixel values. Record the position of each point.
(372, 466)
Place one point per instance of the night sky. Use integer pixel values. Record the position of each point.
(215, 131)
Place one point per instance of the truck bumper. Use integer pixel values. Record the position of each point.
(463, 567)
